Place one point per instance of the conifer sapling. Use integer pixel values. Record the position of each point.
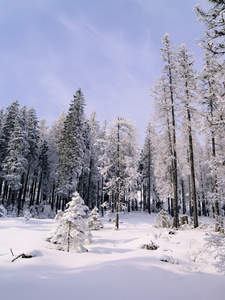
(94, 221)
(72, 233)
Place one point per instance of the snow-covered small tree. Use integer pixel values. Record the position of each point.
(94, 221)
(72, 233)
(3, 211)
(163, 220)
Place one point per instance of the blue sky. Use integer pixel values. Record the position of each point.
(50, 48)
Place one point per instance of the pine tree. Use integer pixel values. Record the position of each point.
(54, 157)
(211, 95)
(187, 95)
(163, 143)
(94, 221)
(83, 183)
(32, 155)
(94, 178)
(102, 163)
(44, 171)
(15, 163)
(165, 92)
(121, 163)
(72, 147)
(2, 116)
(169, 72)
(214, 20)
(71, 234)
(7, 128)
(147, 166)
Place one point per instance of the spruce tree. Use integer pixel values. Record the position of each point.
(72, 233)
(94, 221)
(121, 163)
(72, 147)
(147, 166)
(10, 116)
(95, 178)
(15, 163)
(32, 155)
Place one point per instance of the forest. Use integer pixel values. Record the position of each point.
(180, 167)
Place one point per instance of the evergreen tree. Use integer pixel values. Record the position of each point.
(187, 94)
(164, 92)
(32, 155)
(94, 178)
(169, 73)
(71, 234)
(163, 144)
(121, 163)
(94, 221)
(147, 167)
(44, 171)
(2, 116)
(83, 183)
(53, 144)
(15, 163)
(7, 128)
(72, 147)
(213, 39)
(211, 97)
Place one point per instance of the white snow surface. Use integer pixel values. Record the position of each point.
(115, 267)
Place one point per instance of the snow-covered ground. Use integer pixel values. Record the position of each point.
(115, 267)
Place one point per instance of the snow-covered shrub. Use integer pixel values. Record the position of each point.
(3, 211)
(71, 233)
(163, 219)
(168, 259)
(216, 244)
(94, 221)
(42, 211)
(59, 215)
(105, 207)
(12, 211)
(26, 214)
(198, 252)
(150, 246)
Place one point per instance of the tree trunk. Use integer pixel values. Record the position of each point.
(39, 189)
(193, 187)
(68, 237)
(183, 197)
(1, 184)
(19, 199)
(90, 205)
(169, 209)
(25, 185)
(149, 179)
(118, 178)
(174, 171)
(102, 198)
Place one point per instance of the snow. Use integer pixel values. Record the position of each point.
(115, 267)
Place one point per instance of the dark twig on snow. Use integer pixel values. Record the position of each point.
(22, 256)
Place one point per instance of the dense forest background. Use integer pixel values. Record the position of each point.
(180, 166)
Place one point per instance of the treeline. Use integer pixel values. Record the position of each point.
(42, 167)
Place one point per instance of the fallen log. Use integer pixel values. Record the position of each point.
(23, 255)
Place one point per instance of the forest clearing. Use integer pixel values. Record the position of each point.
(183, 266)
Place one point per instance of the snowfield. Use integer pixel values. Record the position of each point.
(115, 266)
